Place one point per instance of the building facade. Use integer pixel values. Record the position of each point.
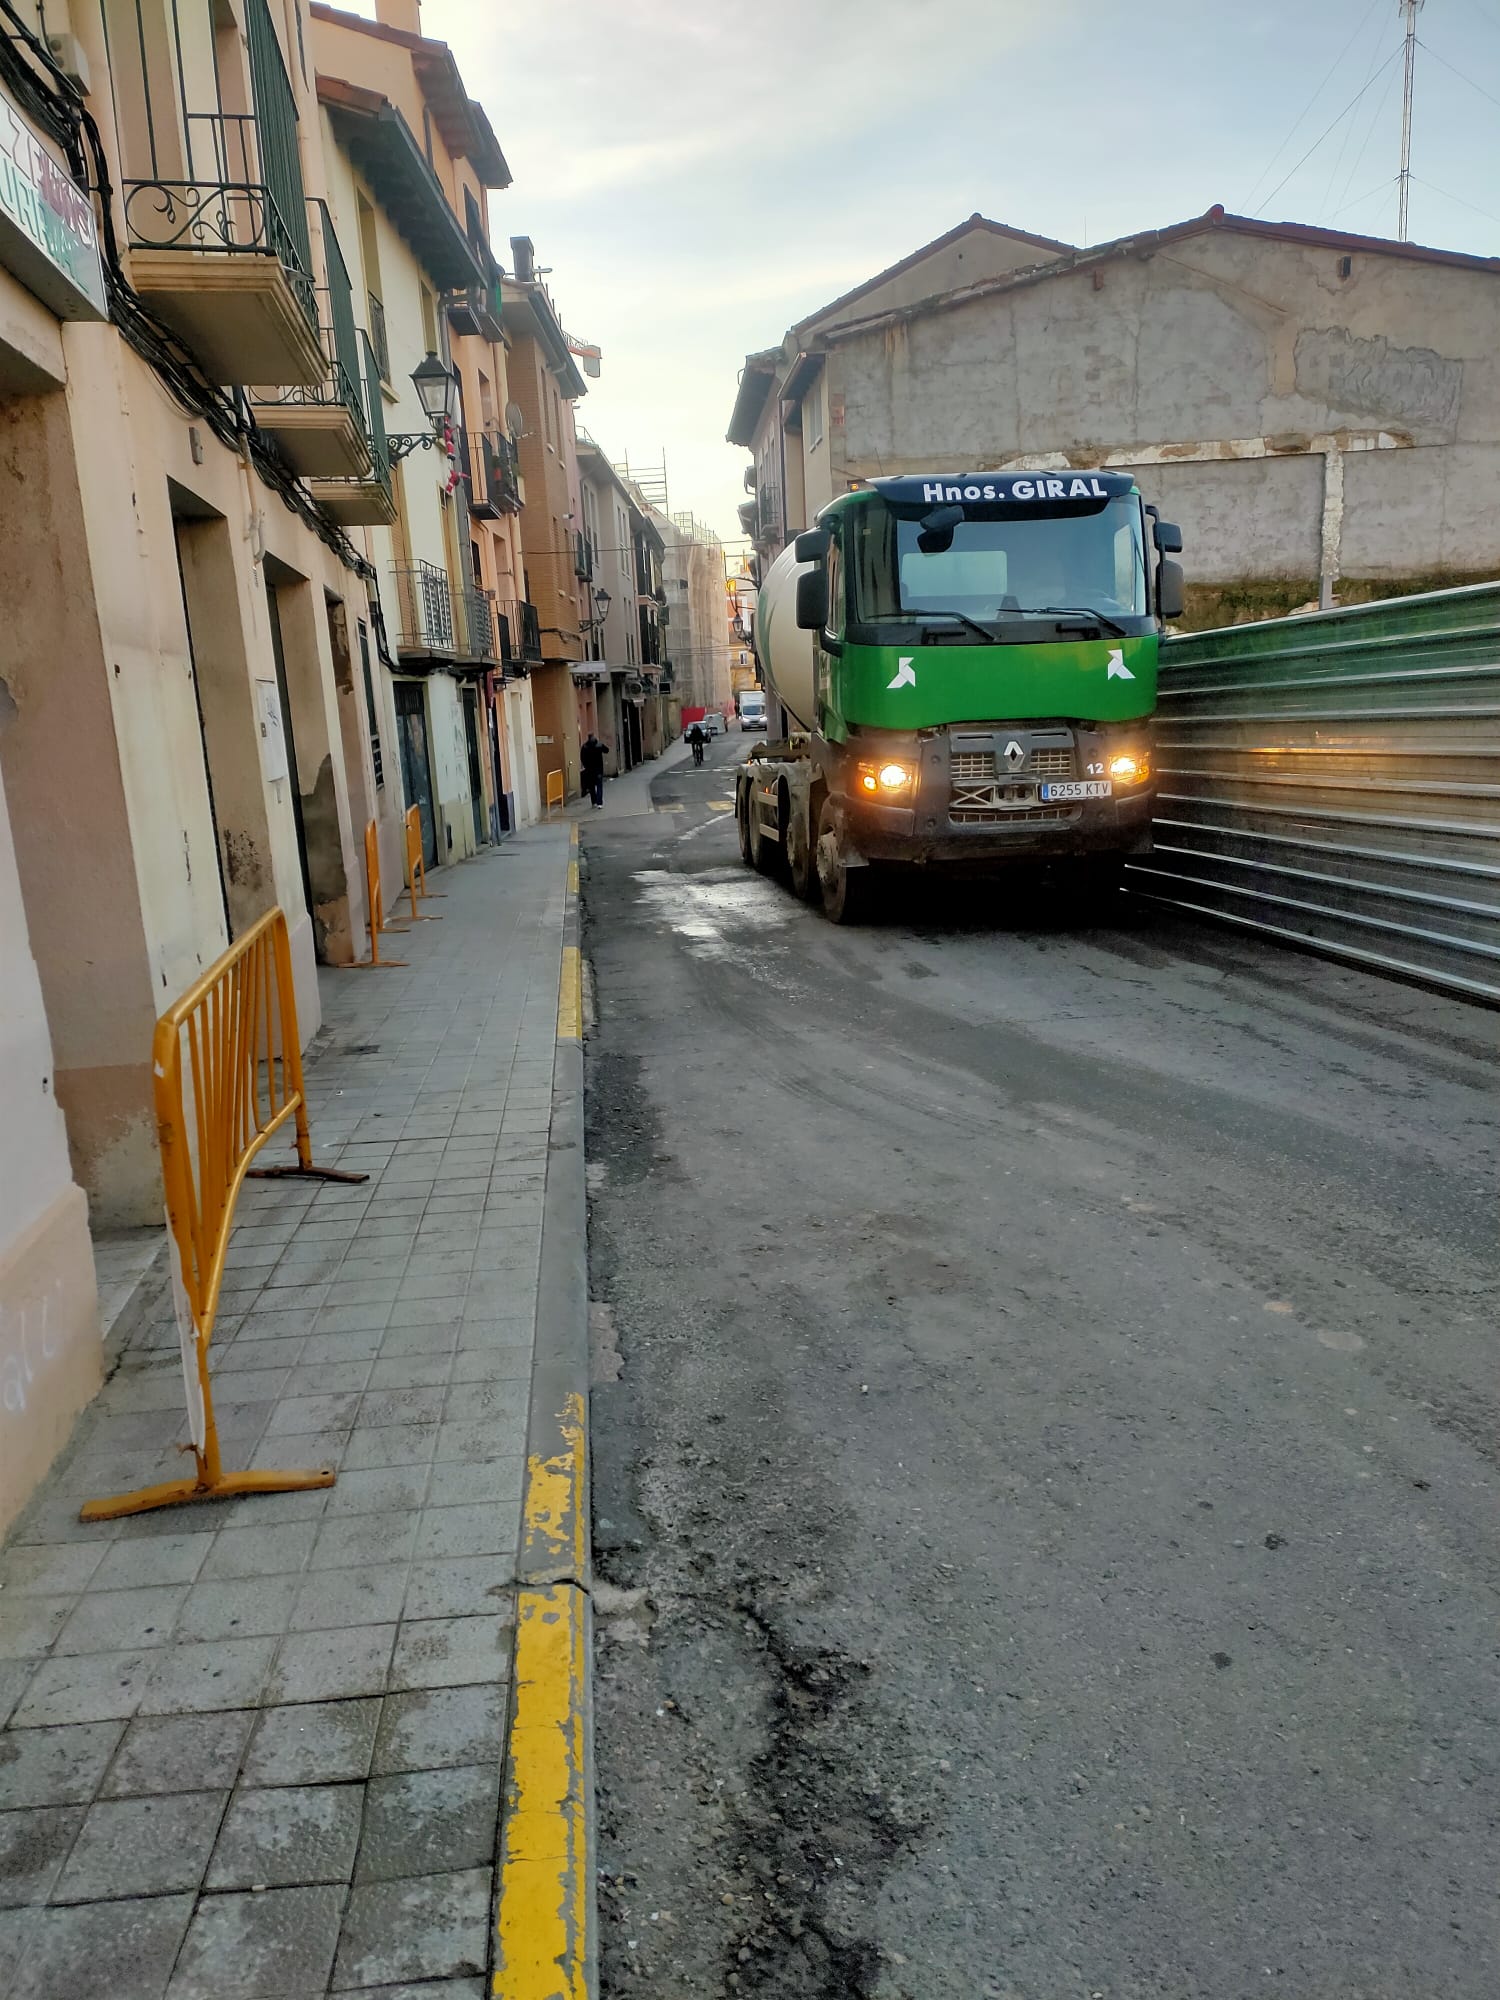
(1320, 412)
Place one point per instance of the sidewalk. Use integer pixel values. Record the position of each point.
(252, 1750)
(629, 797)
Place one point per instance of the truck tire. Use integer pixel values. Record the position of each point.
(801, 857)
(742, 822)
(758, 850)
(848, 893)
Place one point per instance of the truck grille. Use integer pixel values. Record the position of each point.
(980, 767)
(968, 812)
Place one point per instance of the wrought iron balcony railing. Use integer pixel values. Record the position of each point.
(378, 340)
(494, 474)
(237, 188)
(337, 336)
(477, 613)
(424, 609)
(520, 633)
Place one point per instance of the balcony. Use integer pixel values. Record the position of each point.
(367, 499)
(650, 636)
(494, 471)
(476, 616)
(217, 231)
(476, 310)
(583, 557)
(520, 634)
(320, 427)
(424, 611)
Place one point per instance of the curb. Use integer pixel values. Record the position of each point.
(545, 1930)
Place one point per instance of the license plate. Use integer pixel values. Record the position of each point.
(1078, 788)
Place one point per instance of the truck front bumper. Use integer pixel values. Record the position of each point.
(1097, 826)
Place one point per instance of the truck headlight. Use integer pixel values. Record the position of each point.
(1129, 770)
(885, 780)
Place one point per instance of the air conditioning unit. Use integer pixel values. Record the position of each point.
(70, 59)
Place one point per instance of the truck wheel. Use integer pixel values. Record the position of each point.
(801, 858)
(757, 847)
(847, 892)
(742, 825)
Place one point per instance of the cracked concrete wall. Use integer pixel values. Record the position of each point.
(1215, 338)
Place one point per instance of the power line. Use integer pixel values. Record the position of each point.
(1462, 75)
(1327, 130)
(1489, 213)
(1297, 122)
(1375, 117)
(1349, 128)
(1360, 199)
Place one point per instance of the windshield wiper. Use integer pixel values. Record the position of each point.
(1083, 611)
(963, 618)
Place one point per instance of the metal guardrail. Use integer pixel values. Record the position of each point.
(1334, 780)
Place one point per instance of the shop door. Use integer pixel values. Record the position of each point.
(476, 778)
(416, 771)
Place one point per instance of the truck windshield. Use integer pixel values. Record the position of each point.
(1001, 567)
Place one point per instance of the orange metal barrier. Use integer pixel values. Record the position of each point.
(557, 789)
(416, 869)
(376, 903)
(230, 1047)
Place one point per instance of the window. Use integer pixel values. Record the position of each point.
(996, 565)
(429, 321)
(812, 416)
(370, 710)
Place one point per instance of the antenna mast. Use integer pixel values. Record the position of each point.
(1410, 9)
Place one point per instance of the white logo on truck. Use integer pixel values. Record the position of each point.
(906, 673)
(1117, 669)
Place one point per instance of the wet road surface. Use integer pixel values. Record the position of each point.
(1045, 1449)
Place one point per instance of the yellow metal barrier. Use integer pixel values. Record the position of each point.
(557, 789)
(231, 1045)
(416, 868)
(376, 904)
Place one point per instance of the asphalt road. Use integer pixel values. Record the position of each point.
(1046, 1513)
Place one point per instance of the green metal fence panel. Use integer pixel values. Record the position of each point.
(1334, 780)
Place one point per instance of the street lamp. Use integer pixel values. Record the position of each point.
(436, 388)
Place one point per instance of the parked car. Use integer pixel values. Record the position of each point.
(712, 724)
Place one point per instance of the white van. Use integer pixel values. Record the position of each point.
(753, 709)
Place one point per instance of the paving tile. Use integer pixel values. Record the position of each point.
(462, 1586)
(324, 1666)
(332, 1348)
(452, 1652)
(431, 1729)
(122, 1950)
(395, 1445)
(141, 1847)
(429, 1822)
(254, 1551)
(480, 1530)
(381, 1407)
(379, 1490)
(433, 1928)
(474, 1363)
(318, 1378)
(29, 1625)
(435, 1336)
(179, 1753)
(238, 1607)
(278, 1945)
(57, 1766)
(50, 1569)
(300, 1414)
(313, 1743)
(346, 1540)
(289, 1834)
(86, 1687)
(370, 1594)
(429, 1989)
(220, 1673)
(34, 1844)
(411, 1371)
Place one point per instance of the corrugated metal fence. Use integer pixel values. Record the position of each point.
(1334, 780)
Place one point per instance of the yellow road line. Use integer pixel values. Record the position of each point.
(573, 833)
(572, 878)
(570, 996)
(542, 1943)
(721, 805)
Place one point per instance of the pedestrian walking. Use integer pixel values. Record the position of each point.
(591, 764)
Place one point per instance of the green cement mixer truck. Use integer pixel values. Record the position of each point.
(967, 667)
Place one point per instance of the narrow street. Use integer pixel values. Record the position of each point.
(1044, 1438)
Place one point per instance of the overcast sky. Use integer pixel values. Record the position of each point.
(701, 173)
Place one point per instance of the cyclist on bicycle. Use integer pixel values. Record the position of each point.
(697, 739)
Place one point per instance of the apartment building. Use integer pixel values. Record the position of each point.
(546, 381)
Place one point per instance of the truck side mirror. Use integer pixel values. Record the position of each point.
(812, 545)
(1168, 538)
(1169, 590)
(812, 599)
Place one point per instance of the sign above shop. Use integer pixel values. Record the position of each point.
(48, 238)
